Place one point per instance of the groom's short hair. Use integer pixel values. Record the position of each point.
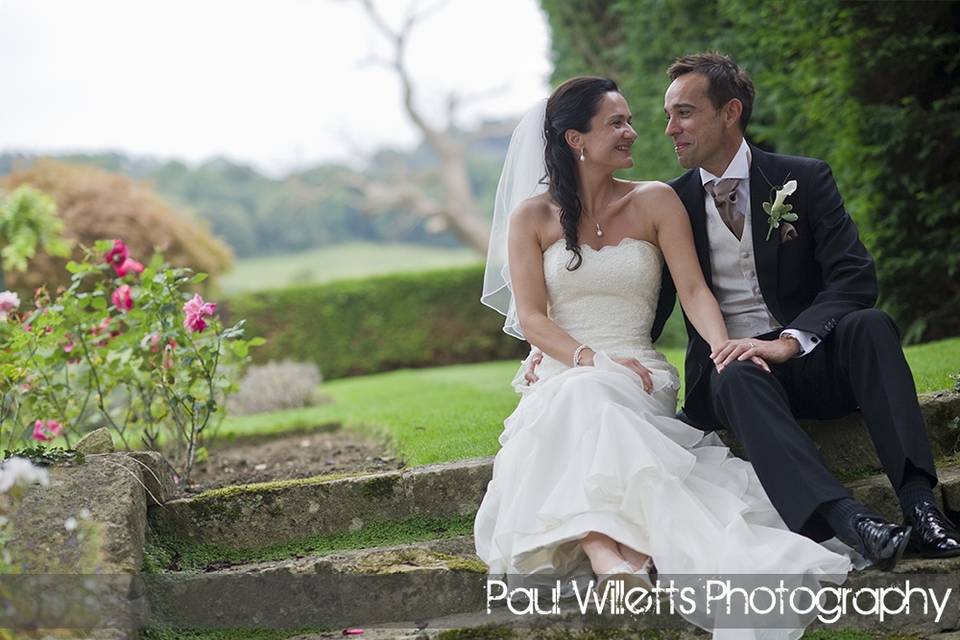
(726, 80)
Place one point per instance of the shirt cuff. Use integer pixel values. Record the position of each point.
(808, 341)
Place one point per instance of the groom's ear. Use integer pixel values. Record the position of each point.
(731, 112)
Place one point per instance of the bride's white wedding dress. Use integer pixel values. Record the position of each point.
(587, 449)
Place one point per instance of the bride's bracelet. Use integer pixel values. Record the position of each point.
(577, 354)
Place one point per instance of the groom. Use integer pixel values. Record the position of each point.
(799, 296)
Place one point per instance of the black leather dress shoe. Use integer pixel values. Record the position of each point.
(879, 541)
(934, 536)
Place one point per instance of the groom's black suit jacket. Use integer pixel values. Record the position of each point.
(808, 282)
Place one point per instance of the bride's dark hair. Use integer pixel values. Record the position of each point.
(571, 106)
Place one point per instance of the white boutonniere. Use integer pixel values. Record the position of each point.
(780, 214)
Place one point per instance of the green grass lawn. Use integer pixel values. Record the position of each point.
(448, 413)
(336, 262)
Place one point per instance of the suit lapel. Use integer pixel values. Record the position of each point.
(765, 251)
(693, 199)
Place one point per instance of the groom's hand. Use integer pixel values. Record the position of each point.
(761, 352)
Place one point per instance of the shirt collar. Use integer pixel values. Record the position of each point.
(739, 167)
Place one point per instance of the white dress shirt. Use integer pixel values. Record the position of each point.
(745, 311)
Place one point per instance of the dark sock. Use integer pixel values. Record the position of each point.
(839, 515)
(915, 488)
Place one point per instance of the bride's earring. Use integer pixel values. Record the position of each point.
(582, 158)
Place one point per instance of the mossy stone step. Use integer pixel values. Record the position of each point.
(877, 493)
(258, 515)
(438, 586)
(432, 578)
(169, 549)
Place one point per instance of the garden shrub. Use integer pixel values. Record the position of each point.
(356, 327)
(275, 386)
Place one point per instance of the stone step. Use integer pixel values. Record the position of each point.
(435, 586)
(433, 578)
(258, 515)
(441, 582)
(78, 542)
(875, 492)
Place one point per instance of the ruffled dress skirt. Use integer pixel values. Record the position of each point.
(587, 449)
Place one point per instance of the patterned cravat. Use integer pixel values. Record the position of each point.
(724, 194)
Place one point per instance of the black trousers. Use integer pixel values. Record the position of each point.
(860, 364)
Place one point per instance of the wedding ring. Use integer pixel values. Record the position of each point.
(752, 346)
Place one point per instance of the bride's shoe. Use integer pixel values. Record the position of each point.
(629, 575)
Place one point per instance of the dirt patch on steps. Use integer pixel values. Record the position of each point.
(316, 452)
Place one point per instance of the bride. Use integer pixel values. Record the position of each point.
(595, 476)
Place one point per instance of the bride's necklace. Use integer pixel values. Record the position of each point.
(595, 223)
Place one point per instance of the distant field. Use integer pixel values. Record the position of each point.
(354, 260)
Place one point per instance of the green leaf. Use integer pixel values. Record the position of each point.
(98, 303)
(790, 217)
(197, 279)
(766, 207)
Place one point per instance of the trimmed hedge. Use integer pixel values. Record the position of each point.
(356, 327)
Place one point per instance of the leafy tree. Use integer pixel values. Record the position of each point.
(28, 221)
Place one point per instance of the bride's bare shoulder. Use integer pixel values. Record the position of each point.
(533, 213)
(538, 206)
(653, 189)
(656, 196)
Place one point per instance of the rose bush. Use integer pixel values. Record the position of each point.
(123, 346)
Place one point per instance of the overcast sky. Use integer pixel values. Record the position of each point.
(278, 83)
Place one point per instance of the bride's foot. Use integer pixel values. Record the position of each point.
(629, 575)
(608, 562)
(637, 559)
(603, 552)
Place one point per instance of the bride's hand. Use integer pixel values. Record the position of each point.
(532, 363)
(634, 365)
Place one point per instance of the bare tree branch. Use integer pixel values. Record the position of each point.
(458, 206)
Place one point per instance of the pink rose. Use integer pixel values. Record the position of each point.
(117, 255)
(154, 340)
(45, 430)
(119, 258)
(40, 297)
(129, 265)
(196, 311)
(8, 302)
(123, 298)
(168, 350)
(103, 327)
